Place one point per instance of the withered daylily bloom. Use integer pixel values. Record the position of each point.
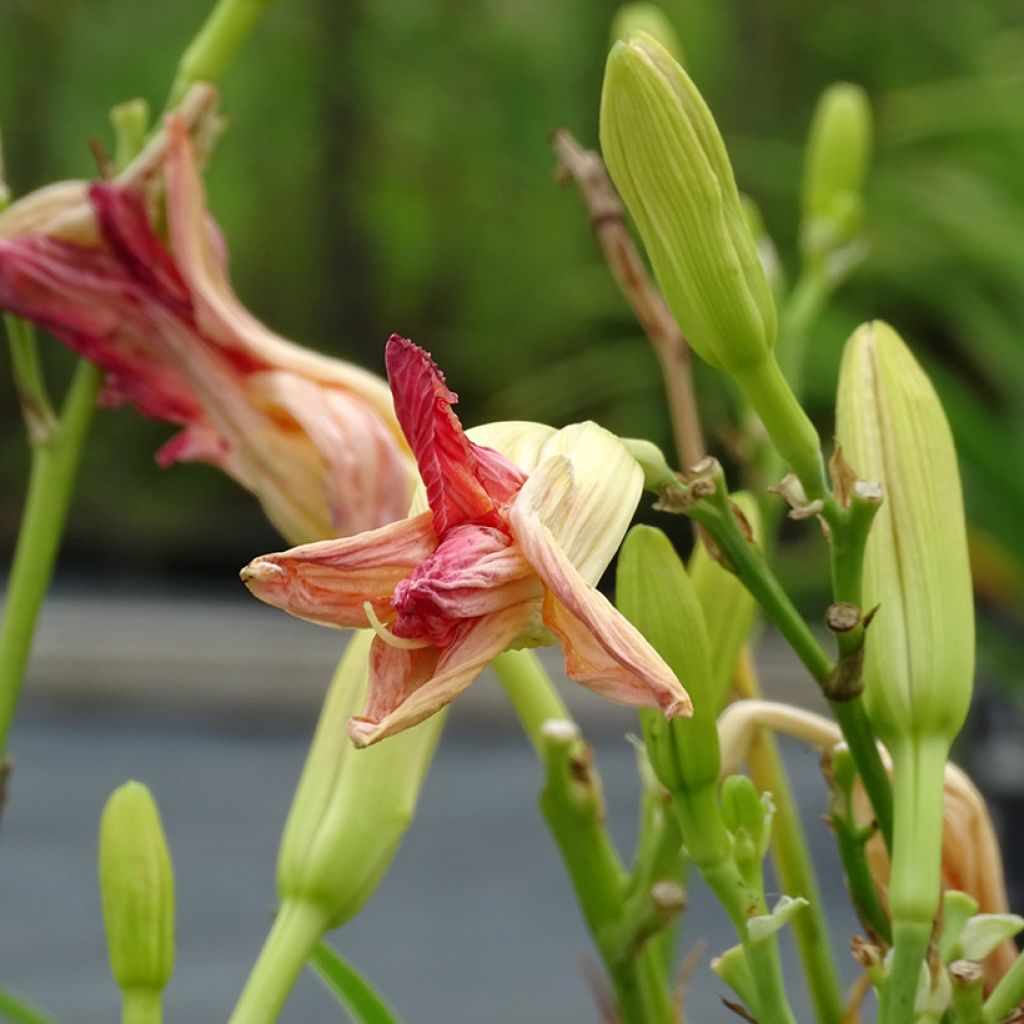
(315, 439)
(508, 555)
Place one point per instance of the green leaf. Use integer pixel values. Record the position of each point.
(354, 992)
(14, 1009)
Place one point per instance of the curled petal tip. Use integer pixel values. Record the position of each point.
(261, 570)
(678, 708)
(362, 732)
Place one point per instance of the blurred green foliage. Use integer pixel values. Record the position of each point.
(388, 169)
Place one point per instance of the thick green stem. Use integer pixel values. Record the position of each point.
(216, 44)
(968, 992)
(1007, 995)
(749, 564)
(915, 881)
(52, 477)
(797, 878)
(297, 929)
(573, 807)
(710, 849)
(792, 433)
(531, 691)
(142, 1006)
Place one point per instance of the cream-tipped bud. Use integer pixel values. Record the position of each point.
(838, 151)
(352, 807)
(667, 159)
(919, 652)
(649, 19)
(137, 892)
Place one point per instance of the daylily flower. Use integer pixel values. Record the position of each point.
(315, 439)
(508, 555)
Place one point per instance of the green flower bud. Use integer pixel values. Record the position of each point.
(668, 161)
(745, 812)
(352, 807)
(647, 19)
(137, 892)
(654, 592)
(919, 649)
(728, 608)
(838, 151)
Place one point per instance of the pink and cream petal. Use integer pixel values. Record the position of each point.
(464, 482)
(520, 441)
(404, 673)
(602, 647)
(328, 582)
(585, 491)
(608, 656)
(365, 476)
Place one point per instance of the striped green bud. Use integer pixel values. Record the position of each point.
(667, 159)
(838, 152)
(919, 649)
(728, 607)
(655, 593)
(645, 18)
(352, 807)
(137, 893)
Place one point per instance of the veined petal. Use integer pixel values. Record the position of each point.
(328, 582)
(218, 311)
(603, 649)
(520, 441)
(585, 491)
(367, 478)
(464, 482)
(408, 686)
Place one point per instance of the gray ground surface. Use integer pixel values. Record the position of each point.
(475, 921)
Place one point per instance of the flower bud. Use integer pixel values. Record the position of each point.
(137, 890)
(838, 151)
(352, 807)
(654, 592)
(728, 606)
(667, 159)
(647, 19)
(919, 651)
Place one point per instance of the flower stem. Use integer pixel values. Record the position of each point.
(747, 561)
(531, 692)
(1007, 995)
(915, 880)
(216, 44)
(573, 807)
(793, 864)
(142, 1006)
(297, 929)
(54, 468)
(791, 431)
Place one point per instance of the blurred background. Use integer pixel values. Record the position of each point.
(388, 169)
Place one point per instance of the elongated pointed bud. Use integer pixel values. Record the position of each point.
(838, 152)
(648, 19)
(667, 159)
(352, 807)
(919, 651)
(728, 608)
(654, 592)
(137, 892)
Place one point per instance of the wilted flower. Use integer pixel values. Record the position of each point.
(315, 439)
(507, 556)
